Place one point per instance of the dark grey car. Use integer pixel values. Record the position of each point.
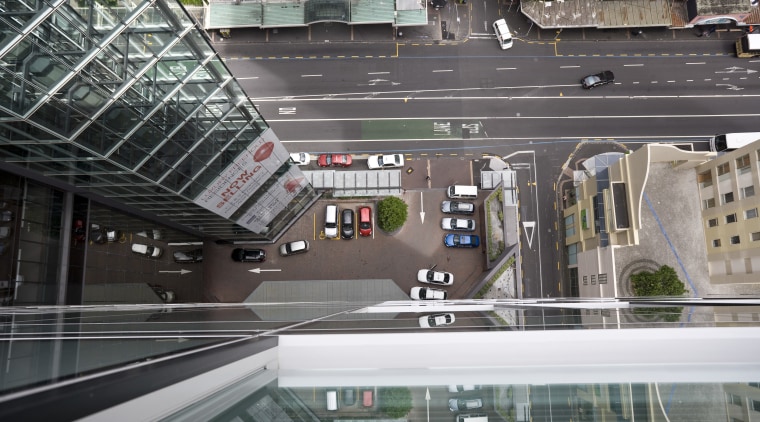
(457, 207)
(598, 79)
(347, 224)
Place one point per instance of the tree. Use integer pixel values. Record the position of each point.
(663, 282)
(395, 402)
(391, 213)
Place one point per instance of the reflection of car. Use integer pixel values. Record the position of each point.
(98, 235)
(195, 255)
(365, 221)
(427, 293)
(465, 404)
(349, 396)
(295, 247)
(436, 320)
(113, 235)
(465, 224)
(457, 207)
(461, 241)
(438, 4)
(5, 232)
(462, 388)
(147, 250)
(335, 160)
(249, 255)
(151, 234)
(347, 224)
(300, 158)
(598, 79)
(6, 216)
(385, 161)
(435, 277)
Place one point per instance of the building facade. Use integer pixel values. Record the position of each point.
(131, 106)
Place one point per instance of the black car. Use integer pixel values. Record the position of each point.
(195, 255)
(598, 79)
(347, 224)
(249, 255)
(438, 4)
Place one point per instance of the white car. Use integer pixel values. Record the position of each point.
(435, 277)
(436, 320)
(385, 161)
(293, 248)
(462, 388)
(465, 404)
(427, 293)
(147, 250)
(465, 224)
(300, 158)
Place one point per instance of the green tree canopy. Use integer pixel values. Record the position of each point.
(395, 402)
(392, 213)
(663, 282)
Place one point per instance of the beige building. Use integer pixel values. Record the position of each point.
(633, 212)
(730, 215)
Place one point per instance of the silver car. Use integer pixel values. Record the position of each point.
(465, 404)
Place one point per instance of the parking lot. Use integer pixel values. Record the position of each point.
(397, 256)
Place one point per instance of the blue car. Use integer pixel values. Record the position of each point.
(461, 241)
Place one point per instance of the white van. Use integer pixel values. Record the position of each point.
(332, 399)
(462, 192)
(331, 221)
(501, 30)
(479, 417)
(732, 141)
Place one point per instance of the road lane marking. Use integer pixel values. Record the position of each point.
(378, 73)
(506, 68)
(311, 76)
(634, 65)
(568, 67)
(695, 62)
(443, 70)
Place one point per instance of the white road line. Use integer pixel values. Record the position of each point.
(696, 63)
(690, 80)
(568, 67)
(378, 73)
(249, 77)
(443, 70)
(311, 76)
(670, 82)
(633, 65)
(506, 68)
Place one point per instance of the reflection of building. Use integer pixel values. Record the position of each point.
(131, 106)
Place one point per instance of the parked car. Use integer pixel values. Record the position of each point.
(6, 216)
(249, 255)
(465, 224)
(98, 235)
(428, 293)
(438, 4)
(334, 160)
(300, 158)
(293, 248)
(437, 320)
(465, 404)
(375, 162)
(365, 221)
(461, 241)
(347, 224)
(463, 388)
(113, 235)
(151, 234)
(598, 79)
(435, 277)
(147, 250)
(5, 232)
(457, 207)
(331, 221)
(195, 255)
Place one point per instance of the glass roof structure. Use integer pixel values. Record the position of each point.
(130, 103)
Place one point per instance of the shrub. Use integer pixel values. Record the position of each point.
(392, 213)
(663, 282)
(395, 402)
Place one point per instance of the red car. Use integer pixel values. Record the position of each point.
(336, 160)
(365, 221)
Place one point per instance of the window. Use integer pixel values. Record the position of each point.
(570, 225)
(708, 203)
(734, 399)
(750, 213)
(742, 164)
(723, 169)
(572, 254)
(705, 179)
(755, 237)
(756, 405)
(713, 222)
(731, 218)
(728, 197)
(716, 243)
(735, 240)
(748, 191)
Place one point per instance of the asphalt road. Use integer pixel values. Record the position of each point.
(472, 98)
